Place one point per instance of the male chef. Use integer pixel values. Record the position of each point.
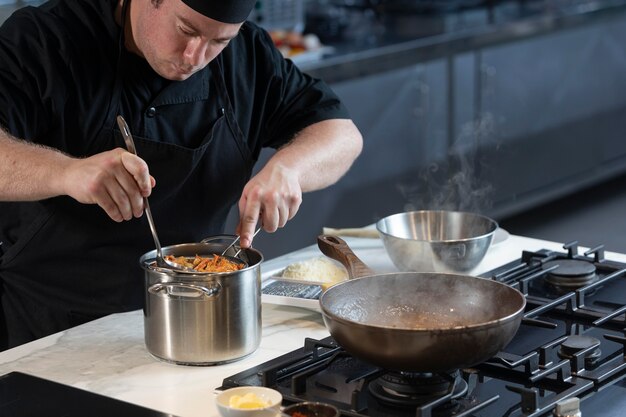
(203, 92)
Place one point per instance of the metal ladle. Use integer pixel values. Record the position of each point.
(160, 260)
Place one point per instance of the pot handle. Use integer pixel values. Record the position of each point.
(216, 237)
(191, 290)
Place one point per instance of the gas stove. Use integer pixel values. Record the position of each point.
(568, 354)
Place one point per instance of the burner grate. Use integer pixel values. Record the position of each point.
(571, 344)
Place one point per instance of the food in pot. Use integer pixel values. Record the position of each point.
(216, 263)
(247, 401)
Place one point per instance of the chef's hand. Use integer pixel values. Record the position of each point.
(272, 197)
(115, 180)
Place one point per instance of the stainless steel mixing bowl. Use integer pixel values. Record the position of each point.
(436, 240)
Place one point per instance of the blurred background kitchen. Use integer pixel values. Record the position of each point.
(515, 109)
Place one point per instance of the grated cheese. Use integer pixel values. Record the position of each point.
(318, 269)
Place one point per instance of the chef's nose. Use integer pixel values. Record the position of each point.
(196, 52)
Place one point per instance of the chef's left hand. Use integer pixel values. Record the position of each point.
(272, 197)
(315, 158)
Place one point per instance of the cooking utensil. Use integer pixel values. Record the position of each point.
(237, 240)
(418, 322)
(221, 312)
(212, 239)
(160, 260)
(436, 240)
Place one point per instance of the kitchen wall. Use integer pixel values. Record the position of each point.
(498, 120)
(497, 128)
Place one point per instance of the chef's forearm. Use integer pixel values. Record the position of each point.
(28, 172)
(321, 153)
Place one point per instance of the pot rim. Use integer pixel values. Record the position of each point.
(147, 261)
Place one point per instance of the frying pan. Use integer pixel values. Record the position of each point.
(417, 321)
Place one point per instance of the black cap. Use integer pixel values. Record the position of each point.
(225, 11)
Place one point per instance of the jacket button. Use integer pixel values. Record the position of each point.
(151, 112)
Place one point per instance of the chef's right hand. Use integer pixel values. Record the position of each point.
(115, 180)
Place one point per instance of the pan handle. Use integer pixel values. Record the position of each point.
(336, 248)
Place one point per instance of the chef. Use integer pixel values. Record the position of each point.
(202, 91)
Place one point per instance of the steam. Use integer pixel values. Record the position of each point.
(459, 182)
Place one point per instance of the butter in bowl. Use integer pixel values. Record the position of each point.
(249, 401)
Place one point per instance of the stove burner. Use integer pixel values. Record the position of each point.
(412, 389)
(570, 273)
(575, 343)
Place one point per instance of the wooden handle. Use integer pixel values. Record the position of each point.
(351, 232)
(336, 248)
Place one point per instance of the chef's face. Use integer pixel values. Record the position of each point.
(176, 40)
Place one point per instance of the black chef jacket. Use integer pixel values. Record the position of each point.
(64, 76)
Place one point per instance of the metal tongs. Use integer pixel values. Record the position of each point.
(160, 260)
(235, 241)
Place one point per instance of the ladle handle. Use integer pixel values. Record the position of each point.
(336, 248)
(153, 229)
(130, 144)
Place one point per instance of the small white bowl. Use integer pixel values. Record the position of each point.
(272, 397)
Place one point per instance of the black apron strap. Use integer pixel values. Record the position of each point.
(229, 111)
(114, 103)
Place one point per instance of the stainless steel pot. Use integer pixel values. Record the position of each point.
(203, 318)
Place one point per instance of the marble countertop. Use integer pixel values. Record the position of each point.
(108, 356)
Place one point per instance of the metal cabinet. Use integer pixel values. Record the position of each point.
(402, 115)
(543, 83)
(556, 104)
(495, 129)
